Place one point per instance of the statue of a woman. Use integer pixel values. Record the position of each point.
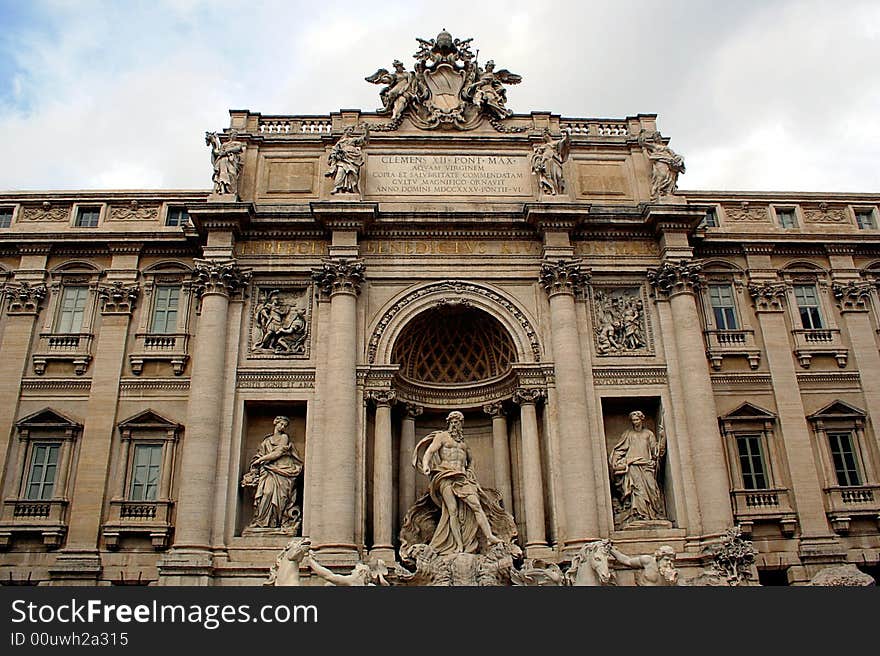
(273, 472)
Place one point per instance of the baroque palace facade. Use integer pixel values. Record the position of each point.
(630, 362)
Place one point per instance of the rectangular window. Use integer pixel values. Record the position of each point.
(751, 462)
(786, 217)
(6, 216)
(865, 219)
(711, 220)
(87, 217)
(844, 456)
(145, 472)
(808, 305)
(177, 216)
(44, 467)
(723, 307)
(165, 310)
(73, 306)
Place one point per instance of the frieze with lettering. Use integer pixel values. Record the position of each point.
(448, 175)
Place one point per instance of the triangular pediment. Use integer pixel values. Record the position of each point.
(838, 410)
(47, 417)
(149, 419)
(749, 411)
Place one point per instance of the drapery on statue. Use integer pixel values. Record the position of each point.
(488, 90)
(547, 161)
(346, 159)
(403, 87)
(456, 515)
(666, 164)
(635, 462)
(657, 569)
(273, 472)
(226, 158)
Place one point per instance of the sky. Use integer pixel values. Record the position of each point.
(769, 95)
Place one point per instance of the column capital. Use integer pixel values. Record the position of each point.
(768, 296)
(494, 409)
(564, 276)
(381, 397)
(852, 296)
(528, 395)
(412, 410)
(671, 278)
(118, 298)
(340, 275)
(25, 297)
(219, 277)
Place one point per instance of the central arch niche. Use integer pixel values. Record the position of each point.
(453, 346)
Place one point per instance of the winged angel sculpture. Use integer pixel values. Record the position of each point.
(447, 88)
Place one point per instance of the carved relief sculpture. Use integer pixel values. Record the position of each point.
(666, 164)
(619, 322)
(273, 474)
(226, 158)
(547, 160)
(279, 324)
(657, 569)
(447, 88)
(346, 159)
(635, 463)
(456, 515)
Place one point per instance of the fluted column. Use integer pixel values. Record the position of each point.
(678, 283)
(500, 452)
(340, 278)
(383, 486)
(533, 492)
(561, 279)
(214, 282)
(406, 479)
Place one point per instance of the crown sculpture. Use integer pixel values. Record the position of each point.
(448, 88)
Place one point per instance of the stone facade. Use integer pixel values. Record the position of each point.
(149, 340)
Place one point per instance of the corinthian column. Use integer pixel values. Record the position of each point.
(214, 282)
(383, 487)
(678, 283)
(500, 453)
(334, 531)
(561, 279)
(533, 486)
(406, 481)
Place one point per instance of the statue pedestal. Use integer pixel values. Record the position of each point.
(222, 198)
(259, 531)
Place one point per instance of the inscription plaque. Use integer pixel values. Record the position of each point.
(448, 175)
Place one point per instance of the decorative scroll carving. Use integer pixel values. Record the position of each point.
(46, 212)
(494, 409)
(346, 159)
(525, 395)
(134, 211)
(619, 321)
(455, 288)
(340, 275)
(381, 397)
(768, 296)
(852, 296)
(666, 164)
(226, 158)
(670, 278)
(25, 298)
(547, 160)
(563, 277)
(118, 298)
(280, 325)
(825, 214)
(219, 277)
(746, 213)
(447, 88)
(413, 410)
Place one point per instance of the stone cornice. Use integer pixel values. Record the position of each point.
(340, 276)
(556, 217)
(340, 215)
(221, 216)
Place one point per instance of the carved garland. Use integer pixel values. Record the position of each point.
(457, 288)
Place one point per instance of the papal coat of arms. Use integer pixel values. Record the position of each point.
(448, 88)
